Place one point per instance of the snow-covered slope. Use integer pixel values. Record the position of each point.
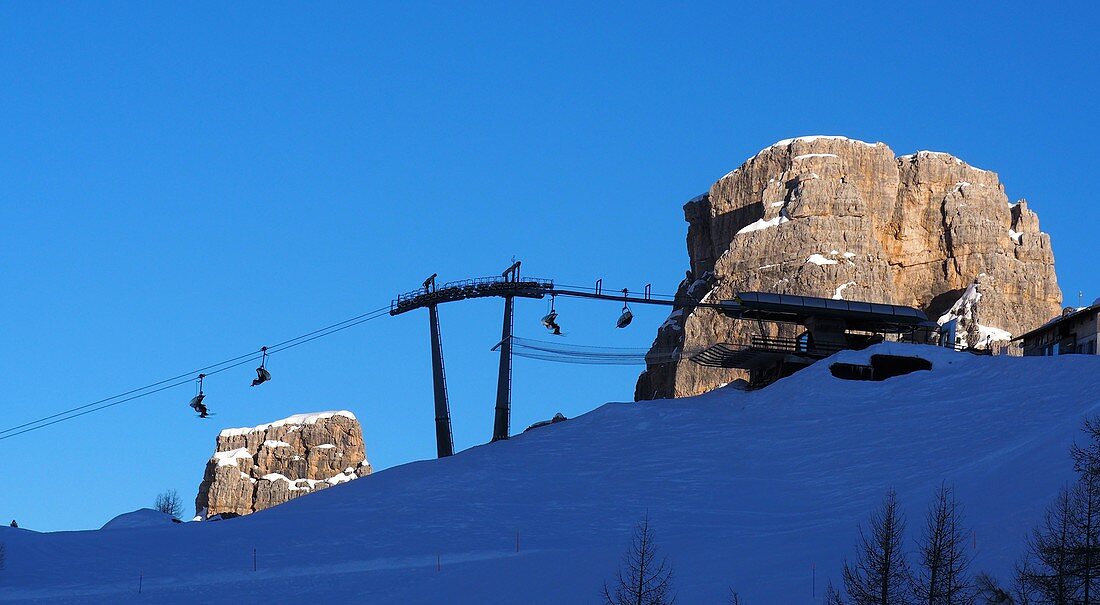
(142, 517)
(750, 490)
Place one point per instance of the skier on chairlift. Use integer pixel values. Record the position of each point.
(197, 405)
(262, 375)
(551, 323)
(550, 320)
(196, 401)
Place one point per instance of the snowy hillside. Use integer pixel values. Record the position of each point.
(749, 490)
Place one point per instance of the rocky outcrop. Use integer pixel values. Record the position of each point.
(260, 467)
(839, 218)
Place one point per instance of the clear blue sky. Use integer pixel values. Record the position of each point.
(182, 184)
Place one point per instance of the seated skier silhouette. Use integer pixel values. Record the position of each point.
(262, 376)
(197, 405)
(550, 321)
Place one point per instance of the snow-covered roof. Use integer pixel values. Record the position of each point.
(297, 419)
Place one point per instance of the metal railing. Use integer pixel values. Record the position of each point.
(470, 288)
(793, 345)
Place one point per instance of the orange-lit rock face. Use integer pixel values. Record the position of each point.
(835, 217)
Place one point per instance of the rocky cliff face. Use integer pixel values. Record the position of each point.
(259, 467)
(839, 218)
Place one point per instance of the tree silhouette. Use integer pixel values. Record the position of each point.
(942, 577)
(169, 503)
(880, 575)
(643, 579)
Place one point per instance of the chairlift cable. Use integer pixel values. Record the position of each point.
(181, 379)
(216, 368)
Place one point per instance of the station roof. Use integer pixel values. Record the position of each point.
(858, 315)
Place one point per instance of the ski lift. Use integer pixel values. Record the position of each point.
(196, 401)
(627, 316)
(262, 375)
(550, 319)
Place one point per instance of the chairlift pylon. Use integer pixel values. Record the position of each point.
(627, 316)
(262, 375)
(196, 401)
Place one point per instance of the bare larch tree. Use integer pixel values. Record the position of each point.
(1063, 561)
(989, 592)
(169, 503)
(1046, 575)
(880, 574)
(832, 595)
(941, 577)
(1086, 508)
(643, 578)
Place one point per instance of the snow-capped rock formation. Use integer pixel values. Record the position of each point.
(838, 218)
(258, 467)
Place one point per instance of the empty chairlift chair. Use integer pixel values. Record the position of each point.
(626, 317)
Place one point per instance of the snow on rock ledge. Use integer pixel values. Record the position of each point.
(258, 467)
(297, 419)
(968, 332)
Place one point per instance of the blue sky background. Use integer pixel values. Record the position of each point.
(183, 183)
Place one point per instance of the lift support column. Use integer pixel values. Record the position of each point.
(503, 420)
(444, 441)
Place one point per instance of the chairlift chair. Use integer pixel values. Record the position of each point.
(196, 401)
(549, 321)
(627, 316)
(262, 375)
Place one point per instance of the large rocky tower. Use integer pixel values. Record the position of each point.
(834, 217)
(258, 467)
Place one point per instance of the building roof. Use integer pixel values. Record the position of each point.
(859, 315)
(1059, 320)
